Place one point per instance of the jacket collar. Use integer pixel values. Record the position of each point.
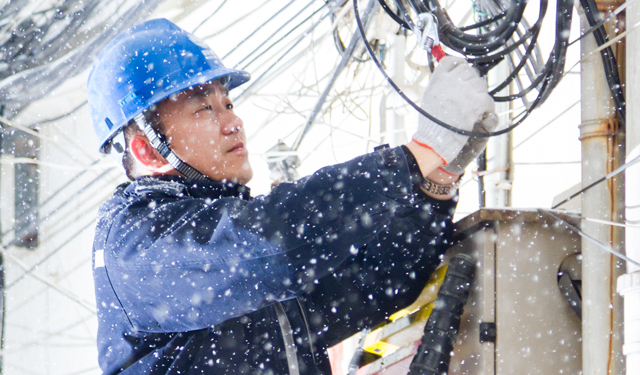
(181, 187)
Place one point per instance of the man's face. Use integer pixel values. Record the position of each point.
(203, 131)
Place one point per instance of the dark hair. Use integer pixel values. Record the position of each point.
(131, 129)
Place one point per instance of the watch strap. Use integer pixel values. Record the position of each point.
(434, 188)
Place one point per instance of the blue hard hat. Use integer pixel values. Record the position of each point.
(144, 65)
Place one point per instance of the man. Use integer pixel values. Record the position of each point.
(193, 276)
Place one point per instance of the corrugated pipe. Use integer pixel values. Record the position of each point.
(434, 353)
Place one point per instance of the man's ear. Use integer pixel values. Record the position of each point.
(147, 156)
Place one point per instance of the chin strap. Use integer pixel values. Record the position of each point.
(159, 143)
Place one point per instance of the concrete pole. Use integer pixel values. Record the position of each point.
(498, 182)
(399, 54)
(602, 152)
(629, 284)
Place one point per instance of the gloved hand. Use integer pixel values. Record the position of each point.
(474, 145)
(457, 96)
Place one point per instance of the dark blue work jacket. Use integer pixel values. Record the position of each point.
(199, 278)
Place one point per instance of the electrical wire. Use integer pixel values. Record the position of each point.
(15, 161)
(608, 58)
(604, 20)
(591, 239)
(547, 124)
(238, 20)
(281, 55)
(600, 180)
(289, 50)
(393, 15)
(57, 118)
(275, 73)
(48, 256)
(346, 56)
(257, 29)
(522, 115)
(40, 50)
(53, 285)
(34, 210)
(499, 38)
(612, 223)
(6, 123)
(281, 38)
(337, 39)
(210, 16)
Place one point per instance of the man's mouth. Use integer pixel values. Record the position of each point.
(236, 147)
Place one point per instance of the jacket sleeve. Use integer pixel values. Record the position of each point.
(188, 263)
(385, 276)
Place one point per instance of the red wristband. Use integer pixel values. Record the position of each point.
(430, 148)
(449, 173)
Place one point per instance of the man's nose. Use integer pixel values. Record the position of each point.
(232, 125)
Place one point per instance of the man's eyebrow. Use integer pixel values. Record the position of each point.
(198, 94)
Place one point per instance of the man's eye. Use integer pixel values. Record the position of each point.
(205, 108)
(229, 106)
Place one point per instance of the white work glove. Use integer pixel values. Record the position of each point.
(474, 146)
(457, 96)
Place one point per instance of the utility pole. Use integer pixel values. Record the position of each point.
(498, 181)
(629, 284)
(602, 139)
(398, 51)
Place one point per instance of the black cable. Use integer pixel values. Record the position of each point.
(523, 115)
(393, 15)
(529, 40)
(600, 23)
(533, 57)
(484, 23)
(533, 32)
(545, 82)
(404, 14)
(484, 43)
(608, 58)
(556, 64)
(417, 6)
(526, 39)
(337, 40)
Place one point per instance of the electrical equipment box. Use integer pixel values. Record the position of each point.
(518, 319)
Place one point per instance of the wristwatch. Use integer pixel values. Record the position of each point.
(437, 189)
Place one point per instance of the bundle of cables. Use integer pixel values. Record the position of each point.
(610, 65)
(500, 33)
(44, 43)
